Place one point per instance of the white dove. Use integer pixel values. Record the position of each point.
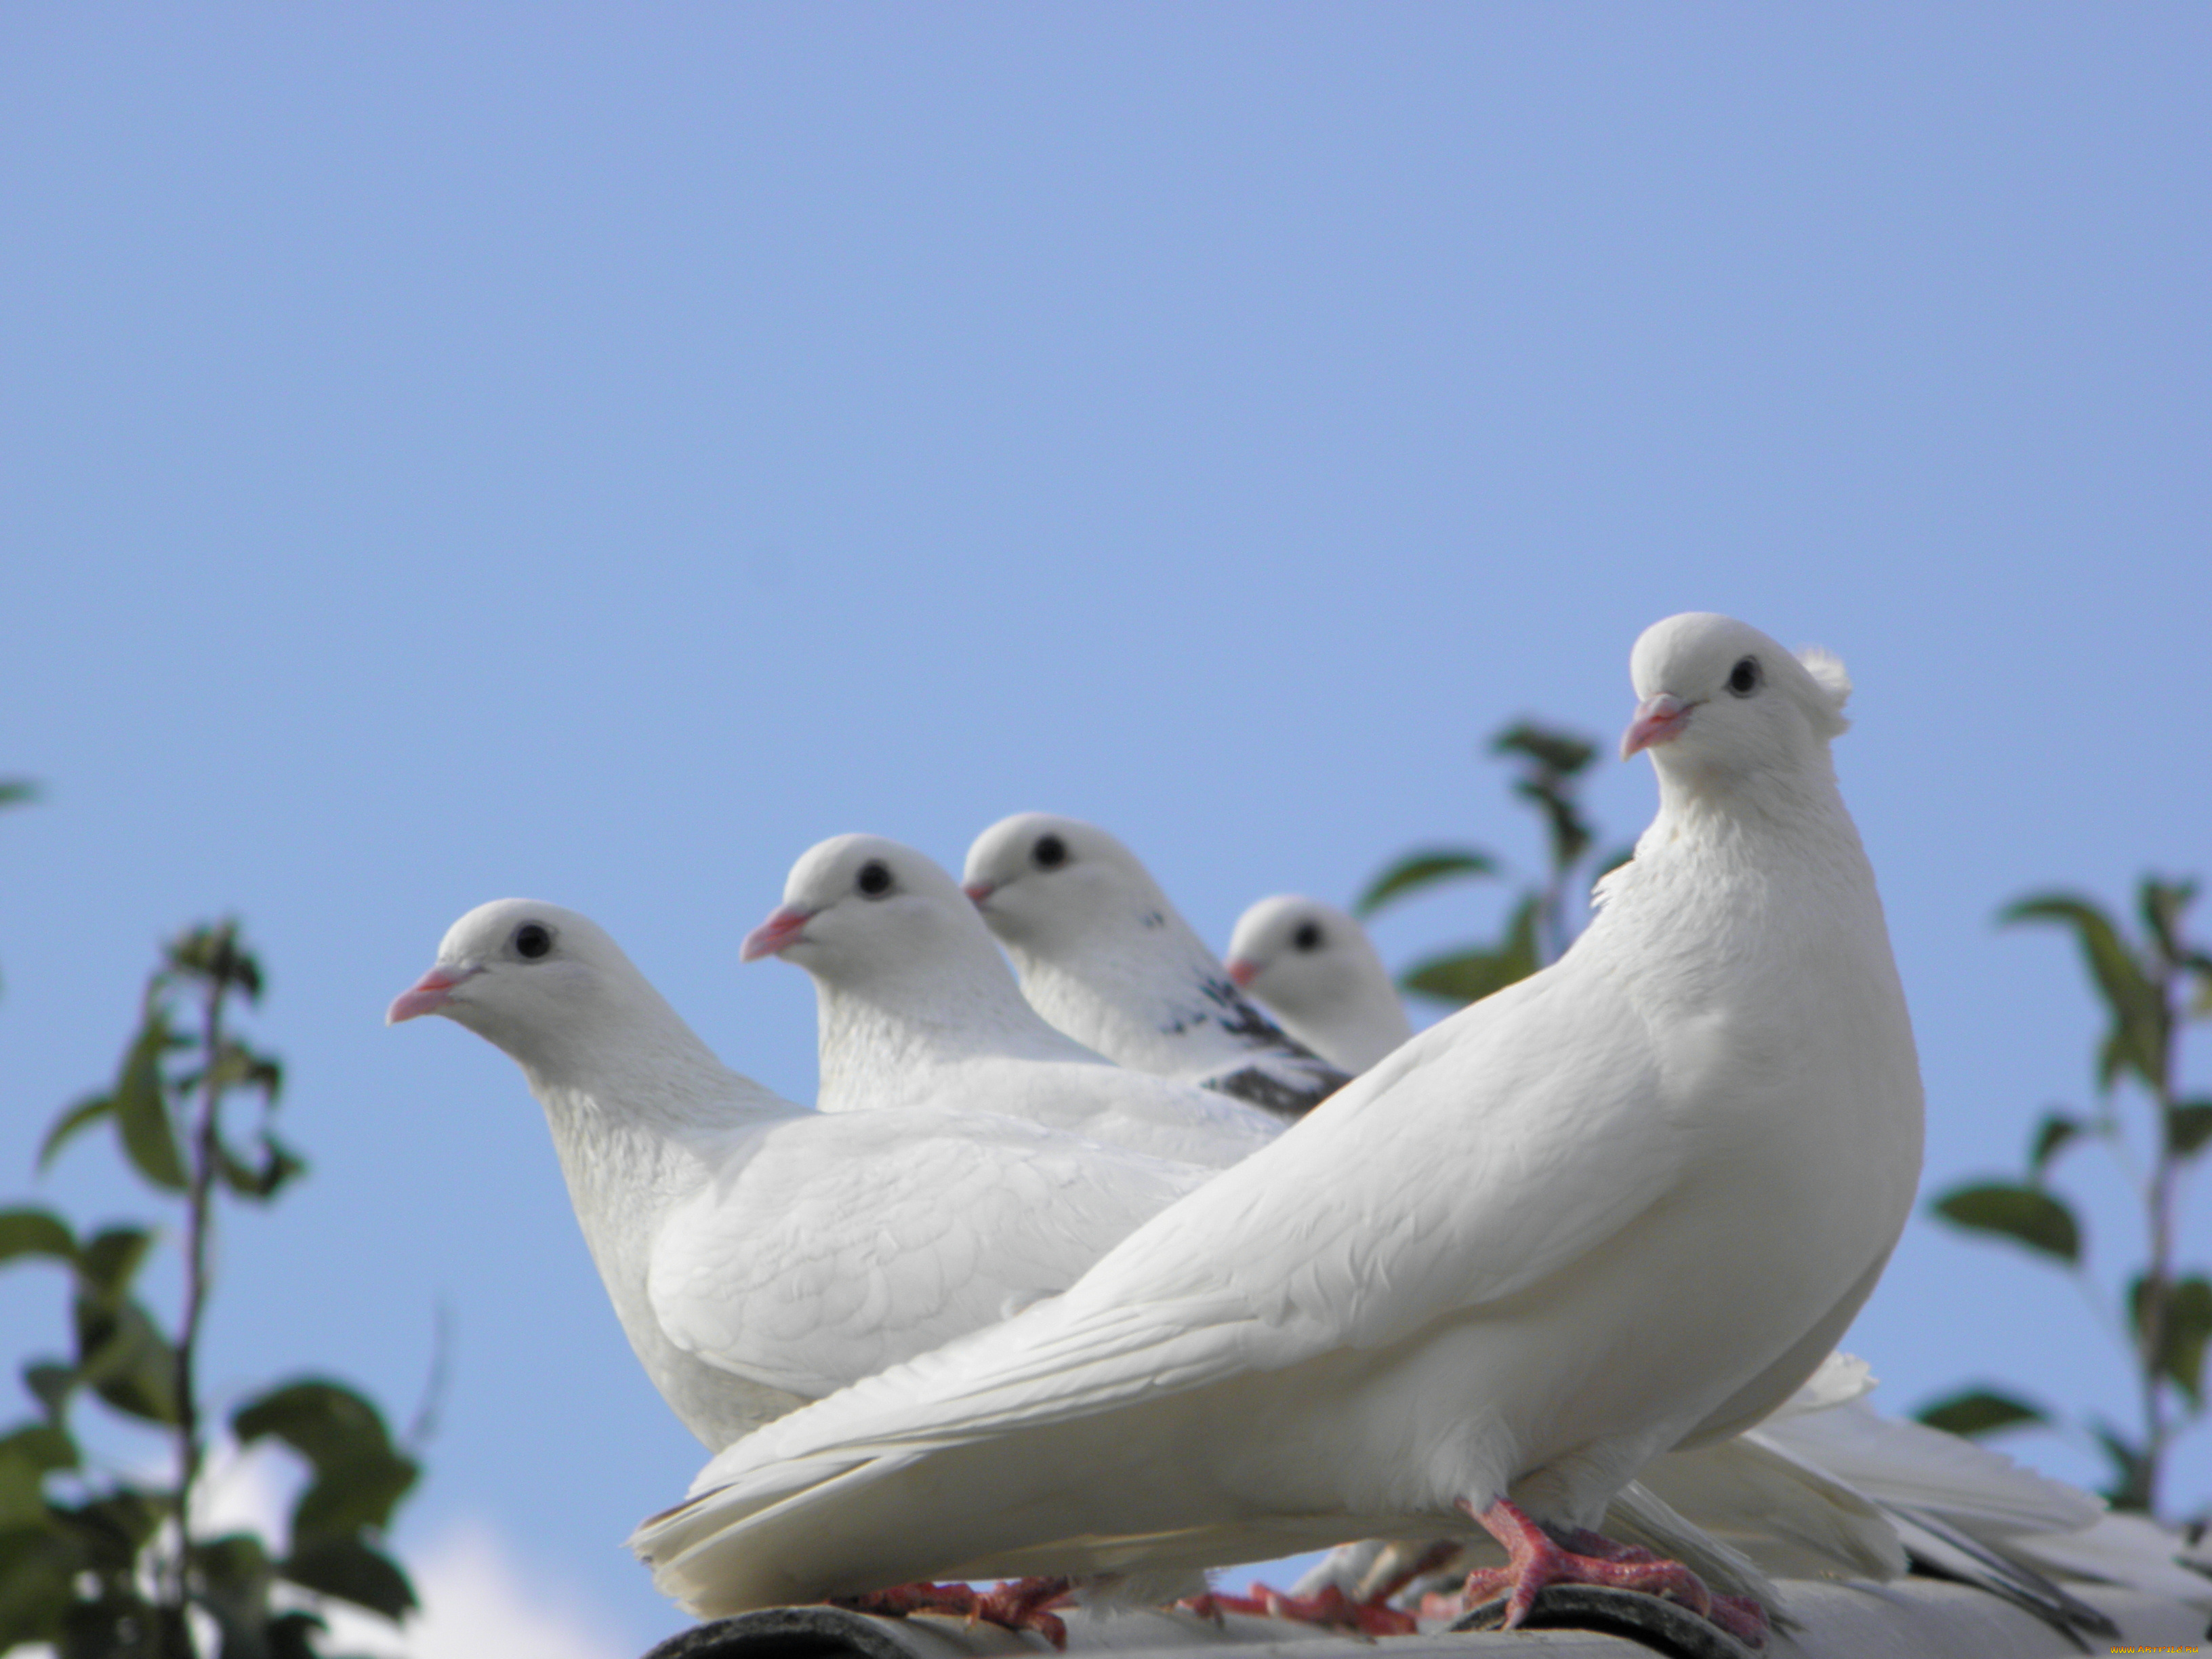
(760, 1254)
(917, 1009)
(1624, 1205)
(1317, 972)
(1826, 1486)
(1104, 957)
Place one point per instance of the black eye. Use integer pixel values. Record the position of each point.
(532, 939)
(1744, 677)
(1049, 854)
(1308, 938)
(874, 879)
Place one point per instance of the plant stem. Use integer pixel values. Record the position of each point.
(2158, 1275)
(198, 1225)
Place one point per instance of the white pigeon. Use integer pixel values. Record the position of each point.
(1317, 972)
(1824, 1487)
(1104, 957)
(918, 1010)
(760, 1254)
(1624, 1205)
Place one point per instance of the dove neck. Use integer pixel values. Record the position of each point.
(642, 1074)
(1354, 1020)
(1145, 993)
(915, 1011)
(1791, 806)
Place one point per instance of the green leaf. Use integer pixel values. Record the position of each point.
(112, 1528)
(34, 1232)
(126, 1360)
(2051, 1135)
(213, 955)
(1978, 1411)
(2132, 1470)
(1561, 753)
(230, 1578)
(352, 1571)
(38, 1572)
(1470, 976)
(141, 1105)
(1422, 869)
(360, 1476)
(2188, 1126)
(50, 1384)
(2163, 904)
(2139, 1035)
(2027, 1214)
(41, 1446)
(22, 1495)
(2181, 1346)
(89, 1110)
(111, 1259)
(279, 1164)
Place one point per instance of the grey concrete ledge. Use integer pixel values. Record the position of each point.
(1912, 1618)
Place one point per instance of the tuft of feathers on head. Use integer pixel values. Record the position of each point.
(1834, 680)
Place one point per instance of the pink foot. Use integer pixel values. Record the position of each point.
(1022, 1604)
(1019, 1605)
(1534, 1559)
(1332, 1609)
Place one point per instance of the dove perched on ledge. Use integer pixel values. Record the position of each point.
(1625, 1206)
(917, 1009)
(1316, 970)
(760, 1254)
(1104, 957)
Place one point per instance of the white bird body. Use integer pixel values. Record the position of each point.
(1317, 972)
(1106, 958)
(760, 1254)
(1623, 1205)
(918, 1012)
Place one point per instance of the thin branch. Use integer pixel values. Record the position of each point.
(191, 1451)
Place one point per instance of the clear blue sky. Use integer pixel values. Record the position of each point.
(594, 452)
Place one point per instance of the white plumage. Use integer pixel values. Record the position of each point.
(760, 1254)
(1624, 1205)
(1105, 958)
(918, 1010)
(1317, 969)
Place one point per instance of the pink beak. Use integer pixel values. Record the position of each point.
(1242, 970)
(1660, 719)
(783, 928)
(426, 995)
(977, 891)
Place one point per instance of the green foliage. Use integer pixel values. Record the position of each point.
(1979, 1410)
(2150, 987)
(1417, 870)
(1552, 764)
(96, 1564)
(2025, 1213)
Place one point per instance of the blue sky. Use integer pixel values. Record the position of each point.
(595, 453)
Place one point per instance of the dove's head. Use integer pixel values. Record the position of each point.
(526, 976)
(1299, 955)
(857, 905)
(1047, 884)
(1722, 702)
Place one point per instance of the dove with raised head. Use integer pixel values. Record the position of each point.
(917, 1009)
(1104, 957)
(760, 1254)
(1624, 1205)
(1317, 972)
